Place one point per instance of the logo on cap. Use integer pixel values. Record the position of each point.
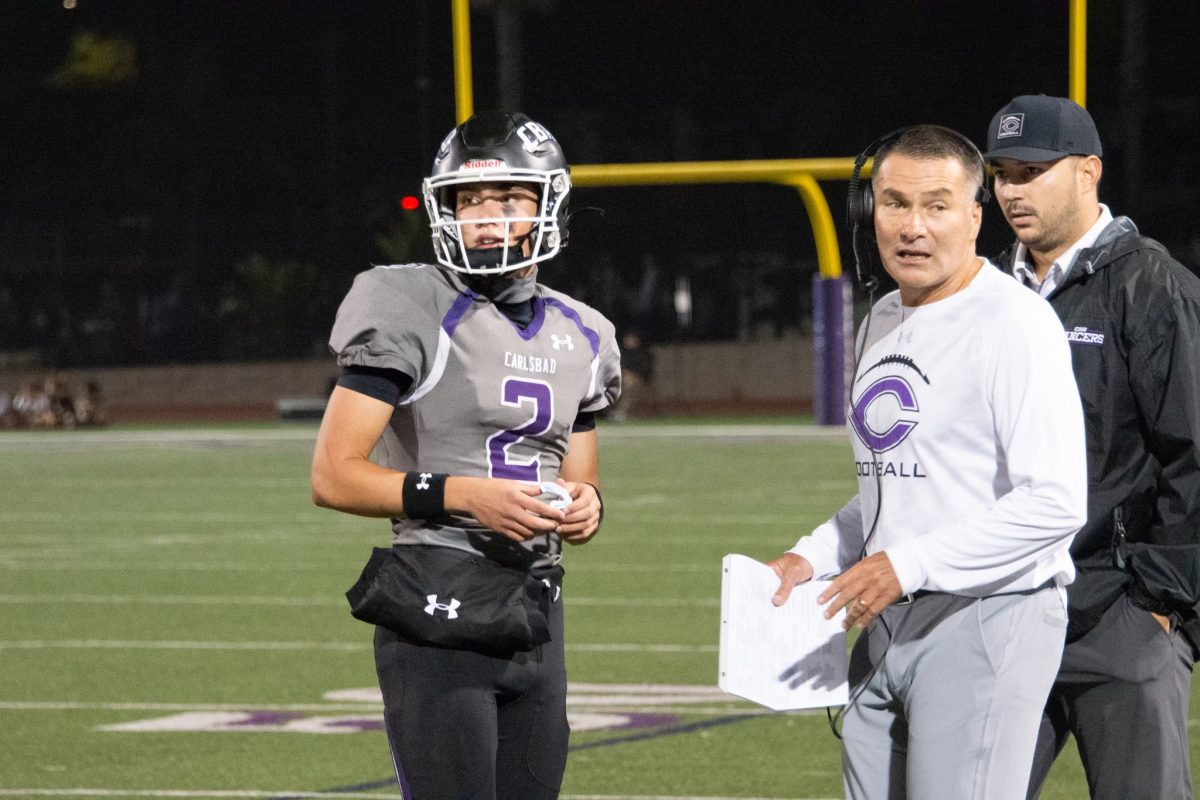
(1010, 125)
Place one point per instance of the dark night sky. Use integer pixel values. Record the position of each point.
(289, 129)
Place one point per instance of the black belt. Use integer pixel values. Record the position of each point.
(912, 597)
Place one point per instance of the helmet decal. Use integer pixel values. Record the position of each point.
(533, 135)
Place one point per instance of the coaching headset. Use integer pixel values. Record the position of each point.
(860, 202)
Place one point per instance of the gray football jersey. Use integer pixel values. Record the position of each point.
(488, 398)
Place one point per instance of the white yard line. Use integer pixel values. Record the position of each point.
(76, 440)
(118, 644)
(184, 793)
(677, 797)
(247, 793)
(732, 710)
(331, 601)
(33, 705)
(9, 560)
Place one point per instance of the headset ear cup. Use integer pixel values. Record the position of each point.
(866, 206)
(860, 205)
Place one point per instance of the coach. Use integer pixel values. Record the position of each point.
(1132, 315)
(954, 552)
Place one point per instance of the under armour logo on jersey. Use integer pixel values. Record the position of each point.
(450, 608)
(562, 341)
(424, 482)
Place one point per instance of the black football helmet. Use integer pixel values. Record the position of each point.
(495, 146)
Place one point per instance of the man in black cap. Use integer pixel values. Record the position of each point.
(1132, 316)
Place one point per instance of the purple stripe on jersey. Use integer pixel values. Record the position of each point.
(568, 312)
(456, 312)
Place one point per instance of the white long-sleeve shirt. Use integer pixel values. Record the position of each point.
(965, 413)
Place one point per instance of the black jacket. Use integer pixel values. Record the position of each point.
(1132, 314)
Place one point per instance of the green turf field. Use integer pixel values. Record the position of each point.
(172, 620)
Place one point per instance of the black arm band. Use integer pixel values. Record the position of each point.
(425, 495)
(601, 499)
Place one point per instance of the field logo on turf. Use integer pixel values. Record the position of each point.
(590, 707)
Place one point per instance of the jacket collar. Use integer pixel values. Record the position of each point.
(1119, 238)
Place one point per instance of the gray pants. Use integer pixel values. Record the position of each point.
(1123, 691)
(952, 691)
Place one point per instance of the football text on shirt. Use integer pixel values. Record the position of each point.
(866, 469)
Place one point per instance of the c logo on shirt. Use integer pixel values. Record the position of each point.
(882, 441)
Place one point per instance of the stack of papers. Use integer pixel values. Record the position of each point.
(783, 658)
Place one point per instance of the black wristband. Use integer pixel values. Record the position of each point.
(425, 495)
(601, 499)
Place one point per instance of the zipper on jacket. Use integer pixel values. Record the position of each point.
(1118, 538)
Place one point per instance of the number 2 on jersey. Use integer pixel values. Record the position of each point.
(520, 393)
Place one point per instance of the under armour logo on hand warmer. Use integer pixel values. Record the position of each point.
(450, 608)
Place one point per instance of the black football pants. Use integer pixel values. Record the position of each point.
(466, 726)
(1122, 691)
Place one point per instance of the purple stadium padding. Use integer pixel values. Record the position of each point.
(833, 321)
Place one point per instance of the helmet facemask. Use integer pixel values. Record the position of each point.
(544, 237)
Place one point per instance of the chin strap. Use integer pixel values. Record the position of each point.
(483, 258)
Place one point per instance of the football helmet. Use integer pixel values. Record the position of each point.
(505, 148)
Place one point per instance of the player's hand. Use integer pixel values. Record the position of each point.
(864, 590)
(510, 508)
(582, 519)
(791, 569)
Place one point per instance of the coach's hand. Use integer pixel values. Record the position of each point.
(864, 590)
(791, 569)
(508, 507)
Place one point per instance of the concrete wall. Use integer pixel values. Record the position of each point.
(733, 377)
(719, 378)
(199, 391)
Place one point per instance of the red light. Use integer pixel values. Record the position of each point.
(409, 203)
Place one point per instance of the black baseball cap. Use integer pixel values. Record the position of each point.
(1035, 127)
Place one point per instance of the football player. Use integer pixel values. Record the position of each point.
(474, 384)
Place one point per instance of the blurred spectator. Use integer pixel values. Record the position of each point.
(637, 379)
(32, 405)
(89, 406)
(62, 405)
(9, 418)
(51, 404)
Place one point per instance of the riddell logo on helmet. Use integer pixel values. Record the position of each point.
(485, 163)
